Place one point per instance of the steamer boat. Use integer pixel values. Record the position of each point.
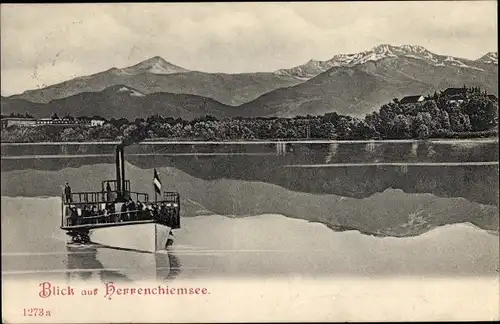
(119, 217)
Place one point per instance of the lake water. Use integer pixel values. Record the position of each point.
(366, 209)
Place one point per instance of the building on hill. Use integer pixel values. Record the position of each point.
(97, 122)
(454, 92)
(455, 95)
(18, 121)
(412, 99)
(64, 122)
(456, 99)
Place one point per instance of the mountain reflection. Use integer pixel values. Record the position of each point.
(319, 168)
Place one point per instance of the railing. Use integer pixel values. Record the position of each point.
(89, 208)
(113, 185)
(100, 197)
(171, 197)
(168, 216)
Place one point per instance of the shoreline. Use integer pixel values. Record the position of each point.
(274, 141)
(324, 165)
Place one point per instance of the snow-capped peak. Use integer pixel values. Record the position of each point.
(379, 52)
(490, 57)
(413, 48)
(415, 51)
(382, 49)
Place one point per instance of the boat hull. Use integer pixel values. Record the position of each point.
(150, 237)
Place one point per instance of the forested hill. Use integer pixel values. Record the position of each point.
(438, 116)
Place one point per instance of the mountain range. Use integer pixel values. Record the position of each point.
(157, 75)
(122, 101)
(350, 84)
(313, 67)
(356, 84)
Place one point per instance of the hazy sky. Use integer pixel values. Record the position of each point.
(44, 44)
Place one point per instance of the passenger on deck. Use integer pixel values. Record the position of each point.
(67, 193)
(109, 211)
(140, 211)
(163, 212)
(93, 214)
(123, 211)
(156, 214)
(102, 216)
(105, 216)
(79, 216)
(97, 215)
(73, 216)
(149, 212)
(85, 215)
(132, 215)
(169, 218)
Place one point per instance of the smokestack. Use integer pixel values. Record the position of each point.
(137, 135)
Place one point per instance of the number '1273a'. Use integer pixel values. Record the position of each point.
(36, 312)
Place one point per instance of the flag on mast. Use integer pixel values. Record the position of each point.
(157, 183)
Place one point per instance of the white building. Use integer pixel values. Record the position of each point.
(96, 122)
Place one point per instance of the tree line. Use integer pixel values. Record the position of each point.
(435, 117)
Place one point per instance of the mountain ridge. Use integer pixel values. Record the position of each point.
(121, 101)
(355, 85)
(363, 88)
(158, 75)
(155, 65)
(315, 67)
(489, 58)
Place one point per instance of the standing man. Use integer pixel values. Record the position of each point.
(67, 193)
(123, 213)
(132, 212)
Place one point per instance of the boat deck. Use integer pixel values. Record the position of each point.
(116, 205)
(86, 227)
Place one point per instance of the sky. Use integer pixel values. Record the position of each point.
(43, 44)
